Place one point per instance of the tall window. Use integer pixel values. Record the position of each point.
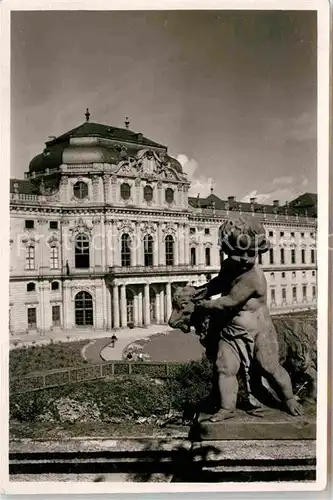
(169, 250)
(304, 292)
(283, 275)
(30, 258)
(207, 256)
(284, 294)
(125, 250)
(294, 294)
(303, 255)
(32, 317)
(293, 256)
(314, 292)
(56, 315)
(193, 256)
(273, 295)
(282, 255)
(260, 258)
(271, 256)
(54, 258)
(313, 256)
(83, 309)
(82, 253)
(148, 250)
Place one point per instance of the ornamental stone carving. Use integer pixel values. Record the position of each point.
(126, 227)
(96, 220)
(80, 228)
(42, 222)
(137, 182)
(64, 180)
(30, 240)
(95, 180)
(148, 228)
(53, 240)
(113, 179)
(169, 229)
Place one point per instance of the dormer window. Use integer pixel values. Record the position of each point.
(80, 190)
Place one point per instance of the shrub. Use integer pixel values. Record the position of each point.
(191, 383)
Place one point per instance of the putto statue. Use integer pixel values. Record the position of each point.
(238, 326)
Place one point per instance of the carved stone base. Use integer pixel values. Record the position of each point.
(273, 424)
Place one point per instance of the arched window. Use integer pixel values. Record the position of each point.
(148, 243)
(130, 306)
(31, 287)
(84, 309)
(169, 195)
(55, 285)
(80, 190)
(148, 193)
(125, 250)
(125, 191)
(193, 256)
(207, 256)
(82, 253)
(169, 250)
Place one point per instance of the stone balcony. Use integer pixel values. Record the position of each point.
(118, 271)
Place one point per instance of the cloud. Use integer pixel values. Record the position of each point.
(299, 128)
(283, 189)
(200, 184)
(283, 180)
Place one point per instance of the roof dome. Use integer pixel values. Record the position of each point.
(50, 158)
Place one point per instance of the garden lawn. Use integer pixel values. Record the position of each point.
(28, 360)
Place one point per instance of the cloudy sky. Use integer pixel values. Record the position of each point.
(232, 94)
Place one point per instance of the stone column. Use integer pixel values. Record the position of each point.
(158, 309)
(115, 246)
(146, 305)
(108, 244)
(162, 312)
(134, 246)
(161, 260)
(186, 244)
(135, 310)
(123, 306)
(140, 307)
(181, 247)
(108, 308)
(139, 260)
(115, 298)
(168, 300)
(107, 188)
(176, 248)
(67, 323)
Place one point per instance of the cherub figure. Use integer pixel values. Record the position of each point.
(246, 328)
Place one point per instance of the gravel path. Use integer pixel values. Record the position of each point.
(173, 346)
(93, 350)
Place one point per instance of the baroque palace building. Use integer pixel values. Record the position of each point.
(102, 231)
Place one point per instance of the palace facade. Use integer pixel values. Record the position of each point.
(103, 231)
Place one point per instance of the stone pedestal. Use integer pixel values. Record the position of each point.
(272, 425)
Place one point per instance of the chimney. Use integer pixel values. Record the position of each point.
(231, 199)
(276, 203)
